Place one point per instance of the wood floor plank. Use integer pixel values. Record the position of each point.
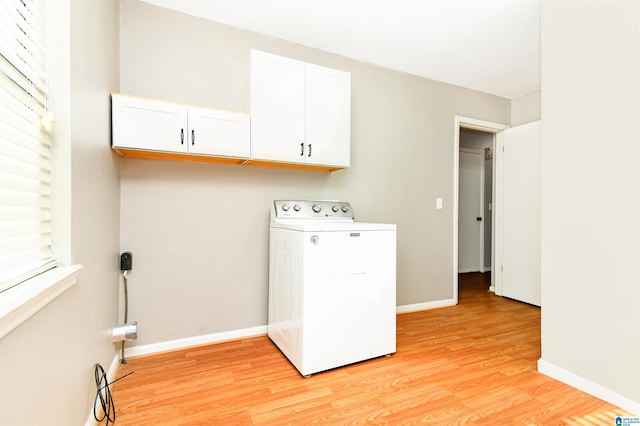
(472, 364)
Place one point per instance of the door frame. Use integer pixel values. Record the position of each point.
(496, 247)
(481, 191)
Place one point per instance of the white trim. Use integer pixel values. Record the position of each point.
(485, 126)
(425, 306)
(497, 212)
(481, 125)
(113, 367)
(588, 386)
(261, 330)
(187, 342)
(24, 300)
(483, 270)
(456, 189)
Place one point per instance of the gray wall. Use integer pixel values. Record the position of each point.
(591, 192)
(526, 108)
(46, 364)
(199, 232)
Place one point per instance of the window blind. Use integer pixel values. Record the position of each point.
(25, 120)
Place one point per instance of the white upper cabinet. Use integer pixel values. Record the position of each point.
(328, 116)
(140, 124)
(146, 124)
(213, 132)
(277, 107)
(300, 112)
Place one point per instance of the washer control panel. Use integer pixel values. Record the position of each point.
(305, 209)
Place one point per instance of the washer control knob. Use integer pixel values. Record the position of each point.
(335, 209)
(316, 208)
(345, 209)
(285, 207)
(296, 207)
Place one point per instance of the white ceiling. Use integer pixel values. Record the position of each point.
(492, 46)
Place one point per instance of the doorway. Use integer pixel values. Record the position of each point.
(474, 207)
(478, 135)
(516, 194)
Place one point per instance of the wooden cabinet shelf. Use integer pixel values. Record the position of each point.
(172, 156)
(152, 128)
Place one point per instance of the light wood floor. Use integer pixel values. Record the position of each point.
(472, 364)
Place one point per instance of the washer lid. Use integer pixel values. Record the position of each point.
(331, 226)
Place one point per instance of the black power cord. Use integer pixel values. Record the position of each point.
(103, 396)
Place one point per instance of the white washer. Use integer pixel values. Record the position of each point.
(332, 285)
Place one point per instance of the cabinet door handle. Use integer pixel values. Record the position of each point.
(309, 155)
(302, 149)
(181, 136)
(193, 137)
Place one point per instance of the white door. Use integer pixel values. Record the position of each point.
(148, 124)
(328, 116)
(470, 210)
(220, 133)
(277, 108)
(521, 213)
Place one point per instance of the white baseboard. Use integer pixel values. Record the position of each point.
(424, 306)
(113, 367)
(186, 342)
(194, 341)
(469, 270)
(588, 386)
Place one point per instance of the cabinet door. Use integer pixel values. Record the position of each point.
(328, 116)
(147, 124)
(219, 133)
(277, 108)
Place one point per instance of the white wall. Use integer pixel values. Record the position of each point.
(199, 232)
(591, 193)
(46, 364)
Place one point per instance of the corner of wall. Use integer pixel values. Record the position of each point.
(526, 108)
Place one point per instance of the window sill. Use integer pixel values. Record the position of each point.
(22, 301)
